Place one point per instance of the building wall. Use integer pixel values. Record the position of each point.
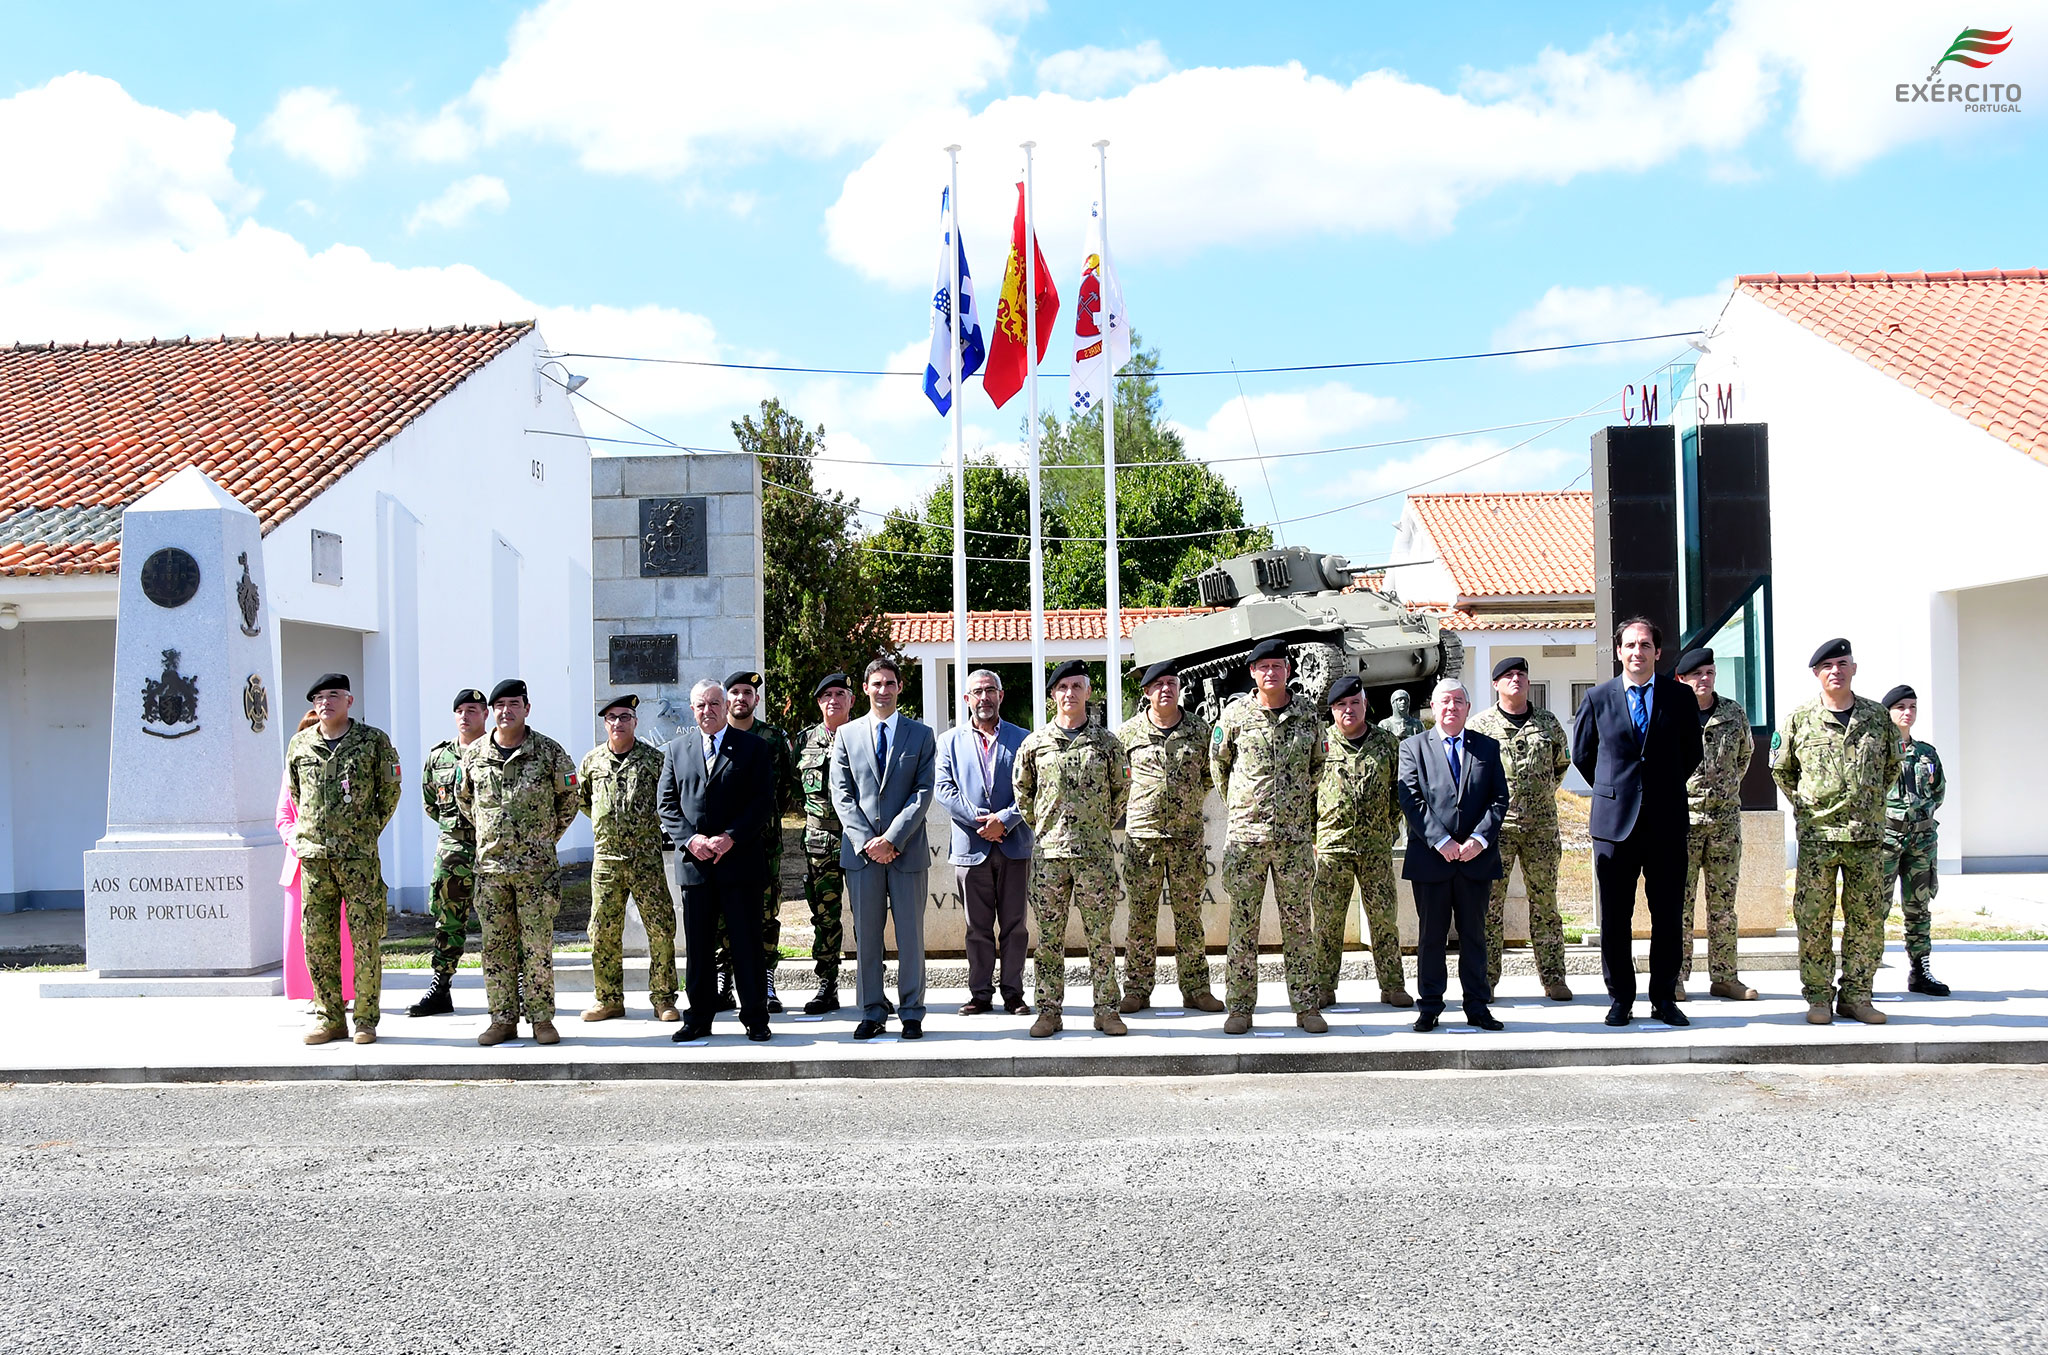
(55, 736)
(1427, 580)
(1885, 509)
(2001, 798)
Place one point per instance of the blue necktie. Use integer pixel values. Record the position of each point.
(1451, 752)
(1637, 711)
(881, 747)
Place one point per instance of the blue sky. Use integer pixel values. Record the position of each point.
(759, 184)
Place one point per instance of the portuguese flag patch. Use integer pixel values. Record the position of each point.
(568, 781)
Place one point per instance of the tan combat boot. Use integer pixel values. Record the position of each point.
(497, 1033)
(1312, 1021)
(667, 1012)
(1237, 1023)
(322, 1034)
(366, 1035)
(1820, 1014)
(1047, 1025)
(1678, 992)
(1734, 991)
(1396, 997)
(544, 1032)
(1109, 1023)
(1133, 1001)
(1560, 992)
(1204, 1001)
(605, 1011)
(1860, 1011)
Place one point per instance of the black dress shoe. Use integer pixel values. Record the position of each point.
(975, 1006)
(1016, 1006)
(913, 1029)
(760, 1032)
(689, 1033)
(1426, 1021)
(1484, 1020)
(1618, 1013)
(868, 1030)
(1668, 1013)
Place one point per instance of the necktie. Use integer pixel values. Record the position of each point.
(1637, 711)
(710, 749)
(1451, 752)
(881, 746)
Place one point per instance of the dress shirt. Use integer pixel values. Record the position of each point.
(712, 743)
(1649, 691)
(1457, 741)
(887, 726)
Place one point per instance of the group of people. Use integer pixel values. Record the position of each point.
(1315, 801)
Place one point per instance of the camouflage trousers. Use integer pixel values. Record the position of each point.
(825, 892)
(771, 919)
(449, 899)
(1539, 852)
(611, 883)
(326, 887)
(1245, 868)
(1372, 873)
(1861, 873)
(1908, 861)
(1715, 851)
(1179, 869)
(1058, 885)
(518, 913)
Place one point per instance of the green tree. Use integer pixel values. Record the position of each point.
(911, 554)
(822, 608)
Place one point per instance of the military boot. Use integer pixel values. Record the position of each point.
(1109, 1023)
(1560, 991)
(1860, 1011)
(827, 999)
(1735, 990)
(1312, 1021)
(544, 1032)
(1923, 980)
(322, 1034)
(1048, 1025)
(1203, 1001)
(1133, 1001)
(1678, 993)
(774, 998)
(726, 1001)
(497, 1033)
(1820, 1014)
(439, 999)
(1237, 1023)
(1396, 997)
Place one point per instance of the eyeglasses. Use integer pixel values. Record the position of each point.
(619, 718)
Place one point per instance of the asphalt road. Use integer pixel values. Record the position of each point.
(1690, 1211)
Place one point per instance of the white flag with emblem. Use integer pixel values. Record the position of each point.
(1102, 332)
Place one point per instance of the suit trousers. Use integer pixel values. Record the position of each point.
(1659, 861)
(879, 895)
(994, 892)
(736, 899)
(1436, 902)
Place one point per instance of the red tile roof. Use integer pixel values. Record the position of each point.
(1456, 618)
(1063, 626)
(87, 429)
(1512, 545)
(1973, 342)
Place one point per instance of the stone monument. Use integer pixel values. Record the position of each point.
(185, 883)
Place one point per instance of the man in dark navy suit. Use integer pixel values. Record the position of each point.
(1636, 740)
(1454, 792)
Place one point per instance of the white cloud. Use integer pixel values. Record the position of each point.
(1285, 421)
(446, 138)
(657, 88)
(314, 125)
(1086, 72)
(1441, 468)
(1584, 314)
(459, 202)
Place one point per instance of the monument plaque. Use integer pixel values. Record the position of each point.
(643, 660)
(673, 540)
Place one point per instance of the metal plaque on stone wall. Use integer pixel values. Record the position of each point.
(673, 539)
(643, 660)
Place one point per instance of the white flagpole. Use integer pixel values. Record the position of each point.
(1037, 688)
(942, 713)
(1113, 671)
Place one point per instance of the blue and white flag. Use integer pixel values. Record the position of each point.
(938, 378)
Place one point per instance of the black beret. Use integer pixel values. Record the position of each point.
(468, 695)
(1509, 665)
(1164, 668)
(1693, 658)
(1072, 668)
(630, 701)
(1343, 687)
(746, 676)
(1274, 648)
(509, 687)
(1833, 649)
(829, 681)
(1899, 693)
(326, 681)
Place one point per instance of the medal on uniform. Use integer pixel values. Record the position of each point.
(346, 798)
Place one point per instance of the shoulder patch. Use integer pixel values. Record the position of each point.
(1216, 737)
(1777, 739)
(569, 780)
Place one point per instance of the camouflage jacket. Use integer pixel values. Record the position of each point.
(1402, 729)
(813, 773)
(1534, 757)
(1837, 778)
(618, 793)
(1921, 786)
(344, 797)
(1714, 794)
(1266, 764)
(1070, 787)
(1169, 776)
(455, 854)
(520, 802)
(1356, 807)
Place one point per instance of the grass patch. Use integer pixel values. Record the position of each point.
(1990, 934)
(43, 969)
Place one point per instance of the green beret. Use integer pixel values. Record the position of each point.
(508, 688)
(469, 696)
(1833, 649)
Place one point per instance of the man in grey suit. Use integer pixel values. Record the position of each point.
(991, 843)
(1454, 793)
(881, 782)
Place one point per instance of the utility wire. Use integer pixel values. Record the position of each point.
(1257, 451)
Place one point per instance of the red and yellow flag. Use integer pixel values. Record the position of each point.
(1007, 363)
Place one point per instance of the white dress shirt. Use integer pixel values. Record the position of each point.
(1448, 742)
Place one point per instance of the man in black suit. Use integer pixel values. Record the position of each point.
(716, 784)
(1636, 740)
(1454, 792)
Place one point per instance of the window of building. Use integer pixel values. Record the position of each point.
(1579, 691)
(1539, 695)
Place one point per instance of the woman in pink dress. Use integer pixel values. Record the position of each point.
(298, 984)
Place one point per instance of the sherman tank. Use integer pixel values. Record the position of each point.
(1300, 596)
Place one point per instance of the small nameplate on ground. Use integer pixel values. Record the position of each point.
(643, 660)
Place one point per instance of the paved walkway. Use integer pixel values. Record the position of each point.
(1999, 1013)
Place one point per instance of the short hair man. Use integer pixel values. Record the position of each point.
(742, 707)
(1535, 750)
(1167, 746)
(619, 787)
(1358, 811)
(1910, 838)
(824, 881)
(991, 842)
(1713, 840)
(451, 889)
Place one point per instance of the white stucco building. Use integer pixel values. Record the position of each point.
(416, 537)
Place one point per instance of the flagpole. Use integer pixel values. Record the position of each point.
(1113, 671)
(942, 713)
(1037, 544)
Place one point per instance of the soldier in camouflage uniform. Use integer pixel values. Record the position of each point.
(452, 887)
(1163, 844)
(344, 777)
(824, 879)
(615, 786)
(1909, 838)
(1534, 752)
(518, 791)
(1266, 756)
(1835, 759)
(1402, 724)
(1713, 840)
(1071, 780)
(743, 695)
(1357, 815)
